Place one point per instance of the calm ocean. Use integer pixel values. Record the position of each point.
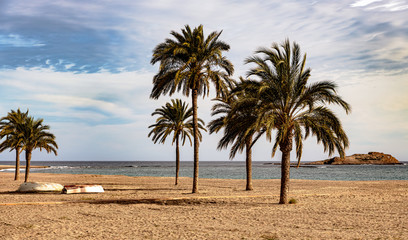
(225, 169)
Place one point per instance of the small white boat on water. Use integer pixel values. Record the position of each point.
(40, 187)
(68, 189)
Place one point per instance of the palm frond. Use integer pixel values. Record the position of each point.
(175, 118)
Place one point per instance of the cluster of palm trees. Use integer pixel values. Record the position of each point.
(278, 102)
(22, 132)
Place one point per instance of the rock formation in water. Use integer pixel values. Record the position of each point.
(360, 159)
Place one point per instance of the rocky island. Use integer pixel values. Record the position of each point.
(360, 159)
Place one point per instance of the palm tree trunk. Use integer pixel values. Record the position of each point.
(28, 161)
(177, 160)
(285, 176)
(17, 172)
(248, 159)
(196, 141)
(285, 148)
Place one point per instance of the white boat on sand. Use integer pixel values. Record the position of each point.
(40, 187)
(82, 189)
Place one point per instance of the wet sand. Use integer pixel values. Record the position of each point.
(153, 208)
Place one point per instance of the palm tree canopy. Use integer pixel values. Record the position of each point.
(8, 129)
(190, 62)
(236, 114)
(176, 118)
(36, 135)
(291, 105)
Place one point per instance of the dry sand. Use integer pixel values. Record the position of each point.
(153, 208)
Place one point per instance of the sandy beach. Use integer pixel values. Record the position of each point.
(153, 208)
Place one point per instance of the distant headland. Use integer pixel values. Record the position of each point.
(376, 158)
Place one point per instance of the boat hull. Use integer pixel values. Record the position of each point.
(69, 189)
(40, 187)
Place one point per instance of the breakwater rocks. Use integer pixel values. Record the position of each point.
(360, 159)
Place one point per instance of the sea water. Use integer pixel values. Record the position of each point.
(223, 169)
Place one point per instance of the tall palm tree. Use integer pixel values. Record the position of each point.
(189, 63)
(238, 123)
(176, 118)
(8, 129)
(35, 135)
(293, 107)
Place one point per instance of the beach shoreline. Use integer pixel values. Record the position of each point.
(153, 208)
(2, 167)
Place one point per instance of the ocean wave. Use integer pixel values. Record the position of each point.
(309, 166)
(61, 167)
(7, 170)
(12, 170)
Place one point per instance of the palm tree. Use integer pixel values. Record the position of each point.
(288, 104)
(238, 122)
(174, 117)
(35, 135)
(8, 126)
(189, 63)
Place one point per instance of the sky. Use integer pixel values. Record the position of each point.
(84, 67)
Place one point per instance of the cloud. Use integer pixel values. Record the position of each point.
(119, 36)
(109, 97)
(363, 3)
(104, 109)
(391, 6)
(17, 41)
(381, 5)
(75, 32)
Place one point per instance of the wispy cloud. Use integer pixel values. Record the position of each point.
(119, 36)
(381, 5)
(13, 40)
(110, 97)
(363, 3)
